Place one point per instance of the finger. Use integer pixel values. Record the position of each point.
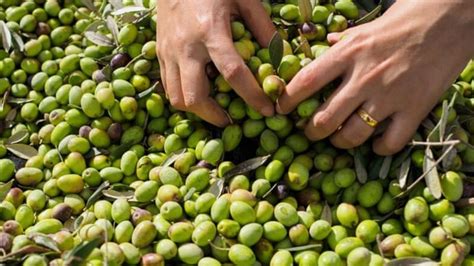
(173, 86)
(332, 114)
(240, 78)
(196, 88)
(355, 130)
(162, 72)
(257, 20)
(399, 132)
(334, 37)
(312, 78)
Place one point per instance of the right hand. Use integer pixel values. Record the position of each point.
(190, 34)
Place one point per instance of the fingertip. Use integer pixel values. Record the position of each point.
(268, 110)
(310, 134)
(335, 37)
(281, 106)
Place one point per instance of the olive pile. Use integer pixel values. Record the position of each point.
(96, 168)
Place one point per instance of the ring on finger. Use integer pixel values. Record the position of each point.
(367, 118)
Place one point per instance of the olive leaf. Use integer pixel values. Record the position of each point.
(89, 4)
(4, 99)
(217, 187)
(30, 249)
(6, 36)
(246, 166)
(367, 5)
(448, 161)
(432, 177)
(138, 3)
(301, 248)
(77, 255)
(443, 120)
(361, 172)
(173, 157)
(78, 222)
(413, 261)
(404, 171)
(418, 180)
(329, 18)
(275, 48)
(120, 150)
(17, 137)
(22, 150)
(189, 194)
(18, 41)
(374, 166)
(114, 194)
(378, 239)
(97, 194)
(304, 46)
(94, 25)
(112, 26)
(129, 9)
(148, 91)
(369, 16)
(326, 213)
(19, 100)
(44, 240)
(306, 9)
(98, 39)
(116, 4)
(385, 169)
(5, 188)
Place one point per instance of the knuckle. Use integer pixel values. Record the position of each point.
(232, 70)
(176, 102)
(323, 121)
(191, 102)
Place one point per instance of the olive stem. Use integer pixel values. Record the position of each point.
(140, 56)
(428, 143)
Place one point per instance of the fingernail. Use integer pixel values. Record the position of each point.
(268, 110)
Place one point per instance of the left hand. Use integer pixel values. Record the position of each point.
(395, 69)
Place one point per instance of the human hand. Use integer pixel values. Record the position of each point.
(395, 69)
(190, 34)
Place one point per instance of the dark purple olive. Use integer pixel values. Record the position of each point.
(6, 241)
(42, 28)
(62, 212)
(19, 162)
(115, 131)
(119, 60)
(211, 71)
(351, 23)
(84, 131)
(307, 196)
(309, 30)
(98, 76)
(281, 191)
(468, 191)
(204, 164)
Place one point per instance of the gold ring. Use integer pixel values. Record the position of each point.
(369, 120)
